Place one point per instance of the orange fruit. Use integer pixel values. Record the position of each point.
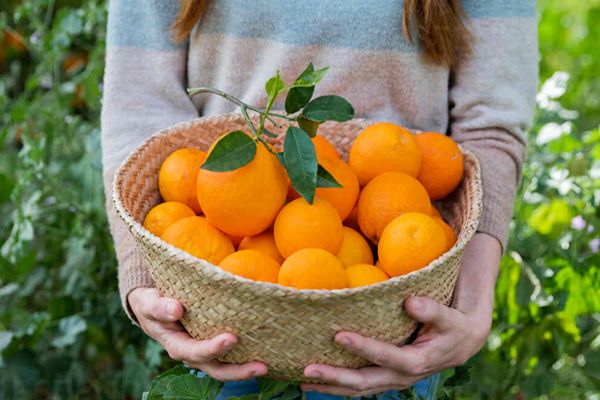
(344, 198)
(434, 212)
(245, 201)
(386, 197)
(351, 220)
(364, 274)
(263, 242)
(324, 148)
(300, 225)
(354, 249)
(198, 237)
(410, 242)
(448, 231)
(251, 264)
(384, 147)
(312, 269)
(161, 216)
(442, 166)
(178, 174)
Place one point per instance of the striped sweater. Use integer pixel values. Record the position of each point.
(485, 102)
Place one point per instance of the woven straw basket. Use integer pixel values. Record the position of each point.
(283, 327)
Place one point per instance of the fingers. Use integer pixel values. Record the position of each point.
(409, 360)
(352, 381)
(149, 304)
(428, 311)
(231, 372)
(181, 346)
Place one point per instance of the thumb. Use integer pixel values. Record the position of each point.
(152, 305)
(428, 311)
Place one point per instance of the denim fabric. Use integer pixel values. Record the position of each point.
(425, 389)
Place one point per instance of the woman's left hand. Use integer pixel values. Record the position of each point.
(449, 335)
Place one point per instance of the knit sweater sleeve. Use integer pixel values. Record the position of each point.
(144, 91)
(492, 100)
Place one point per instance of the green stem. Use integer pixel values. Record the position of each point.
(264, 116)
(249, 122)
(194, 91)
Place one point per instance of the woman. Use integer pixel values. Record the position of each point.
(465, 68)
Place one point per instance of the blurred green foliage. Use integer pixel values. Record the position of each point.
(62, 332)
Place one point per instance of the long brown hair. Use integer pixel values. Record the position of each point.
(439, 26)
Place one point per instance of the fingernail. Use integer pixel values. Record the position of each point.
(313, 373)
(258, 372)
(417, 304)
(171, 309)
(344, 341)
(227, 343)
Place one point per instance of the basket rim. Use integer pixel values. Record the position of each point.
(275, 289)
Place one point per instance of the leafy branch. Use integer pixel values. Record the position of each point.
(236, 149)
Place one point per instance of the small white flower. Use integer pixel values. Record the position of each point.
(578, 223)
(594, 245)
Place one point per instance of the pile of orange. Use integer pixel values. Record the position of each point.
(380, 224)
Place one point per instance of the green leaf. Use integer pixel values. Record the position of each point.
(461, 376)
(274, 86)
(309, 77)
(233, 151)
(301, 162)
(161, 383)
(308, 126)
(270, 388)
(191, 387)
(329, 108)
(325, 179)
(303, 88)
(70, 328)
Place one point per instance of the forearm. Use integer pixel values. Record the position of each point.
(474, 292)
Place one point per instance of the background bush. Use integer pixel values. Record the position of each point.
(62, 332)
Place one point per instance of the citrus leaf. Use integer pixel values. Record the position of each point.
(329, 108)
(308, 126)
(301, 162)
(233, 151)
(298, 98)
(303, 88)
(274, 86)
(325, 179)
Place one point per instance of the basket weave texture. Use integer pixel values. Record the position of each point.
(283, 327)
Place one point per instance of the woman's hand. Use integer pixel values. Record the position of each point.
(449, 336)
(158, 317)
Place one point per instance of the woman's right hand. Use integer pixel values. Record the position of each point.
(158, 316)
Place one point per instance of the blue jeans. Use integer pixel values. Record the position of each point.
(425, 389)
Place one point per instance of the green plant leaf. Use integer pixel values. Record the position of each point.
(233, 151)
(328, 108)
(309, 77)
(191, 387)
(160, 384)
(308, 126)
(270, 388)
(298, 98)
(325, 179)
(301, 91)
(301, 162)
(274, 86)
(70, 328)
